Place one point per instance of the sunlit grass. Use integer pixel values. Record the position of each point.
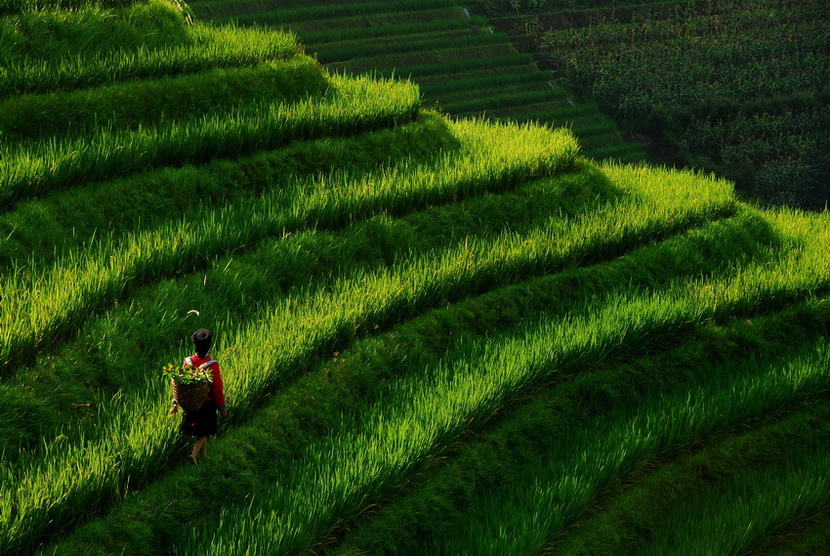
(350, 105)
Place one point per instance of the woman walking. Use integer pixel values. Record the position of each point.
(201, 423)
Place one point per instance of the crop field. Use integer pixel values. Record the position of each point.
(463, 65)
(739, 87)
(437, 335)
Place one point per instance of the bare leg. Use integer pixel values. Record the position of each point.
(198, 448)
(203, 450)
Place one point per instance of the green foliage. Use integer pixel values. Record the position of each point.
(499, 7)
(202, 47)
(741, 86)
(618, 444)
(158, 102)
(450, 68)
(421, 415)
(186, 374)
(42, 6)
(460, 320)
(151, 254)
(48, 36)
(418, 41)
(453, 20)
(251, 11)
(37, 229)
(507, 99)
(324, 321)
(501, 80)
(532, 432)
(350, 105)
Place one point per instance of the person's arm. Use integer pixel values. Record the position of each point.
(219, 391)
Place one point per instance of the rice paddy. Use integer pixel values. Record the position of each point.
(437, 336)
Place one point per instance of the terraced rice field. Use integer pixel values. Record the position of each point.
(461, 63)
(438, 336)
(739, 87)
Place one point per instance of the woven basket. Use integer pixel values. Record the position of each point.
(190, 397)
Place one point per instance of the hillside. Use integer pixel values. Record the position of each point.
(438, 335)
(738, 87)
(461, 64)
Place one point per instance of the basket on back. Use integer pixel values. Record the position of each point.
(190, 397)
(191, 385)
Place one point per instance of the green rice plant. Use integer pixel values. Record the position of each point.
(485, 263)
(496, 72)
(43, 230)
(614, 151)
(441, 56)
(536, 429)
(600, 128)
(339, 52)
(810, 536)
(676, 74)
(386, 19)
(491, 81)
(111, 270)
(750, 508)
(310, 324)
(372, 452)
(206, 47)
(241, 284)
(472, 62)
(695, 308)
(633, 157)
(156, 102)
(296, 259)
(398, 441)
(539, 504)
(368, 363)
(559, 112)
(498, 101)
(419, 417)
(89, 27)
(628, 518)
(605, 139)
(504, 7)
(340, 34)
(350, 106)
(252, 11)
(18, 6)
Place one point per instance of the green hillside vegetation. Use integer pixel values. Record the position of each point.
(460, 63)
(735, 87)
(437, 335)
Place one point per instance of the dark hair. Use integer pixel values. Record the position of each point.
(202, 339)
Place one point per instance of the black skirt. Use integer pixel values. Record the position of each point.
(201, 422)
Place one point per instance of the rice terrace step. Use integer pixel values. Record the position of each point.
(482, 332)
(386, 37)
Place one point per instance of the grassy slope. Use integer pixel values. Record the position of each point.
(533, 301)
(479, 71)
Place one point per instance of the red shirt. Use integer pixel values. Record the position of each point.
(217, 390)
